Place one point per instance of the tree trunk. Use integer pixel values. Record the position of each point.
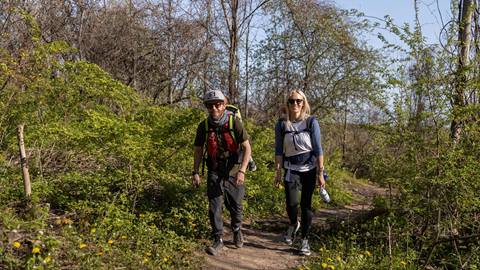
(474, 95)
(344, 140)
(232, 53)
(232, 22)
(208, 43)
(170, 53)
(23, 161)
(464, 38)
(247, 74)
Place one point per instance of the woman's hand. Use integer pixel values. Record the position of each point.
(278, 177)
(320, 179)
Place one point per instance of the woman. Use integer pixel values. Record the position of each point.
(299, 151)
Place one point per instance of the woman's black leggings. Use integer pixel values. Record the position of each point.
(304, 181)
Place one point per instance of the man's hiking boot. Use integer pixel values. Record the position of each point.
(215, 247)
(238, 238)
(305, 248)
(290, 234)
(252, 166)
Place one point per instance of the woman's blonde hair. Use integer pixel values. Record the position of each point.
(305, 111)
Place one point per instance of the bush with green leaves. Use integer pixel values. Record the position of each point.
(107, 174)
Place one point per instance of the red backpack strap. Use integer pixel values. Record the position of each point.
(228, 134)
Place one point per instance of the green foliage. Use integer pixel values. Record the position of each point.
(98, 156)
(432, 222)
(111, 173)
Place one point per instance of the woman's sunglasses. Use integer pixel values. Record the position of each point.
(217, 105)
(293, 101)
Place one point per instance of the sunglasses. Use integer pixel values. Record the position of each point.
(293, 101)
(211, 105)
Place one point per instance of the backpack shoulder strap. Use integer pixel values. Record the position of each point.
(205, 124)
(231, 127)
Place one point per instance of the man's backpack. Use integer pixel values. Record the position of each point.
(221, 142)
(233, 110)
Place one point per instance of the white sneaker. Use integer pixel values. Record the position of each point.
(290, 234)
(305, 248)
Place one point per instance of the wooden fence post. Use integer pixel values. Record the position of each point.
(23, 161)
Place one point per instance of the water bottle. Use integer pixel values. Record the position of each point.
(324, 195)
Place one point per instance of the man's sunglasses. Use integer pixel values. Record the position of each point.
(217, 105)
(293, 101)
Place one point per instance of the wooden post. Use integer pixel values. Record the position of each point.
(23, 160)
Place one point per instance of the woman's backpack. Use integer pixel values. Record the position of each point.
(301, 158)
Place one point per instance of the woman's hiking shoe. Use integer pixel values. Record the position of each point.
(305, 248)
(215, 247)
(238, 238)
(290, 234)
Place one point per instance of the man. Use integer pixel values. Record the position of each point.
(228, 153)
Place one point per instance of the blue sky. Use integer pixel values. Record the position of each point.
(402, 11)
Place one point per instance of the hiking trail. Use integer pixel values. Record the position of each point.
(265, 249)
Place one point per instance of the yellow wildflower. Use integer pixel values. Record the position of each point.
(403, 263)
(47, 259)
(368, 253)
(99, 253)
(82, 245)
(123, 237)
(110, 241)
(93, 230)
(165, 259)
(331, 266)
(35, 250)
(145, 260)
(324, 265)
(16, 244)
(338, 258)
(148, 254)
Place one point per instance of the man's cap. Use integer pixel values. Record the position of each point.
(213, 95)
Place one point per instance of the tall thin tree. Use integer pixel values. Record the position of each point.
(467, 8)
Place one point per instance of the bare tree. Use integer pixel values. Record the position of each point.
(467, 8)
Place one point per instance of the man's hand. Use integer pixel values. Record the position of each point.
(240, 178)
(196, 180)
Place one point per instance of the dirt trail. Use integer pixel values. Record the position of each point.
(266, 249)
